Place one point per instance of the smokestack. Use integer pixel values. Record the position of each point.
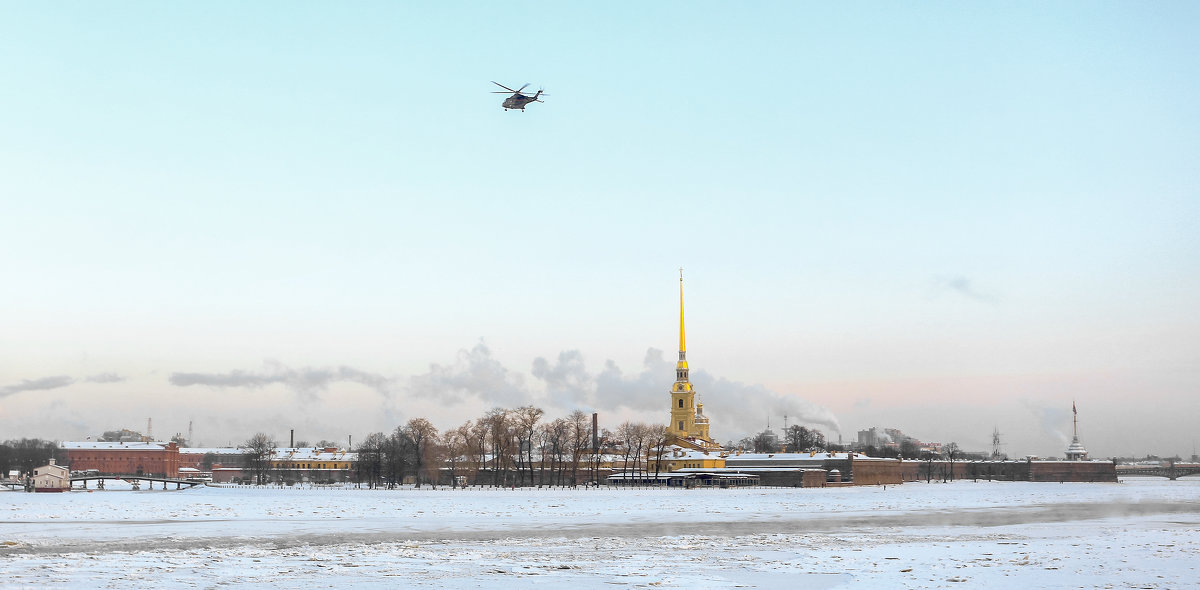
(350, 442)
(595, 432)
(292, 440)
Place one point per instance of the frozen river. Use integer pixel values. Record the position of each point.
(1141, 533)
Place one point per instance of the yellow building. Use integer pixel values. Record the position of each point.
(686, 458)
(688, 427)
(315, 464)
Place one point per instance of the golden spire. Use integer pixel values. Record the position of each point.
(681, 346)
(681, 367)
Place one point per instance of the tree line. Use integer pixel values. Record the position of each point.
(26, 454)
(506, 447)
(796, 439)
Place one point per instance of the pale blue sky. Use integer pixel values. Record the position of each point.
(882, 209)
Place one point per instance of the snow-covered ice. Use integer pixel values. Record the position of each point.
(1141, 533)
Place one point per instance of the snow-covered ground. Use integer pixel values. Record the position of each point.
(1141, 533)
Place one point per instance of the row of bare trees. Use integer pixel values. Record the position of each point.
(28, 453)
(504, 448)
(412, 450)
(639, 442)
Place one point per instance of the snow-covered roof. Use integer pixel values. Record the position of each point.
(1076, 449)
(745, 470)
(682, 454)
(538, 457)
(681, 473)
(823, 456)
(642, 475)
(295, 454)
(312, 454)
(212, 450)
(113, 446)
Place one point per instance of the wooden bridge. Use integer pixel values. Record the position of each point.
(135, 478)
(1170, 471)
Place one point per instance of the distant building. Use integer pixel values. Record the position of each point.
(123, 435)
(124, 458)
(681, 458)
(219, 464)
(51, 478)
(313, 464)
(801, 469)
(871, 438)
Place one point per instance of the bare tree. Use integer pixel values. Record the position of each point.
(422, 435)
(641, 446)
(800, 439)
(370, 465)
(477, 445)
(258, 456)
(398, 457)
(541, 439)
(525, 422)
(580, 433)
(558, 442)
(659, 445)
(499, 434)
(928, 457)
(951, 451)
(454, 448)
(626, 433)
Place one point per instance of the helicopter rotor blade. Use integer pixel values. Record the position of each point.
(521, 88)
(504, 87)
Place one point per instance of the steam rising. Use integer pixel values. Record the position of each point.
(474, 374)
(560, 386)
(43, 384)
(308, 382)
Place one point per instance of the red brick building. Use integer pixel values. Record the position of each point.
(124, 458)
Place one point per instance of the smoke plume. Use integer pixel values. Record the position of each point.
(43, 384)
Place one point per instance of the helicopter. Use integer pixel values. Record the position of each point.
(517, 100)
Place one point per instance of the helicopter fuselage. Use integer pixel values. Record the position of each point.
(518, 101)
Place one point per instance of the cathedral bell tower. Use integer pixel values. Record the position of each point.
(683, 397)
